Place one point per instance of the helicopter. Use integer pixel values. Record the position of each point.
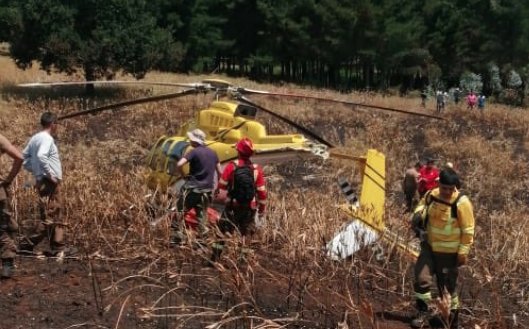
(224, 122)
(232, 116)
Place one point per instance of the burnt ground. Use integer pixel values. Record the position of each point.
(123, 294)
(155, 293)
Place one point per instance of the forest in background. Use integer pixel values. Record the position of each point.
(340, 44)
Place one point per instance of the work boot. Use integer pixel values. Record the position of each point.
(177, 239)
(58, 254)
(8, 267)
(25, 247)
(215, 256)
(454, 319)
(245, 254)
(422, 318)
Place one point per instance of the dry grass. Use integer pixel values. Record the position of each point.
(287, 282)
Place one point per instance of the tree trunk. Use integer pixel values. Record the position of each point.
(89, 74)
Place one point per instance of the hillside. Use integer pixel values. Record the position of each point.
(133, 280)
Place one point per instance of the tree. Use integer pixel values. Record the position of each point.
(402, 54)
(96, 37)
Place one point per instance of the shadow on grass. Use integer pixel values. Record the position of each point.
(394, 316)
(434, 322)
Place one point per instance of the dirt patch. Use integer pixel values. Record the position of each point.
(182, 293)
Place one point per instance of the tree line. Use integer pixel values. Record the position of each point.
(342, 44)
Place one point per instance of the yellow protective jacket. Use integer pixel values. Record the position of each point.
(447, 233)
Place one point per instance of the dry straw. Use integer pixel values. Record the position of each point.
(287, 281)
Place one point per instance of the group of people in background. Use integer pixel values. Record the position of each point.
(473, 99)
(442, 98)
(419, 178)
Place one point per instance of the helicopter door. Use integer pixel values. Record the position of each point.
(174, 154)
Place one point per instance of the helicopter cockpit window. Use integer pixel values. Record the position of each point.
(175, 153)
(244, 110)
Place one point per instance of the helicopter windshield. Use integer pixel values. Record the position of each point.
(247, 111)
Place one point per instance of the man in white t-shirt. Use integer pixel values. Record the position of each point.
(41, 158)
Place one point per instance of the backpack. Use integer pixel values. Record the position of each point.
(242, 188)
(420, 223)
(453, 206)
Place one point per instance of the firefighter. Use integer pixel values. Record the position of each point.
(444, 221)
(245, 185)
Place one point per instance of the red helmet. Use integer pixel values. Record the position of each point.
(244, 147)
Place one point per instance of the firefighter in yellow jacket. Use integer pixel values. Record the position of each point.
(444, 221)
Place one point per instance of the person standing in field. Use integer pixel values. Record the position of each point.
(424, 95)
(457, 96)
(41, 158)
(444, 222)
(245, 185)
(8, 225)
(440, 101)
(428, 176)
(198, 186)
(410, 184)
(446, 99)
(481, 102)
(471, 100)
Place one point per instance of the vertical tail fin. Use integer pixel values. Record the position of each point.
(373, 192)
(369, 210)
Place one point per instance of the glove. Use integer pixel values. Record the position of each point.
(462, 259)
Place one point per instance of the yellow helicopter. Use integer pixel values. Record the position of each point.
(225, 121)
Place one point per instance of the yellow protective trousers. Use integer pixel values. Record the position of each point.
(441, 266)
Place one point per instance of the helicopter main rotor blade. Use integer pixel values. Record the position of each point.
(131, 102)
(390, 109)
(110, 82)
(290, 122)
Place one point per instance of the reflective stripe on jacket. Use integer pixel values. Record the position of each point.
(448, 234)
